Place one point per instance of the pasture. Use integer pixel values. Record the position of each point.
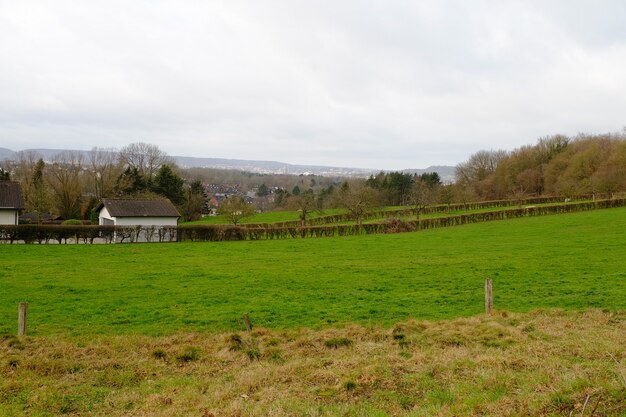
(573, 261)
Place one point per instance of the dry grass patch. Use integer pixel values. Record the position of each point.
(548, 363)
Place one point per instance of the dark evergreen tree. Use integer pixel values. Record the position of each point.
(169, 184)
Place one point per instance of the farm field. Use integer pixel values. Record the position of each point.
(374, 325)
(266, 217)
(572, 261)
(288, 216)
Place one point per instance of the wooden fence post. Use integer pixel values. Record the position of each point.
(22, 314)
(488, 295)
(246, 321)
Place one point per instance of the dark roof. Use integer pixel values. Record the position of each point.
(139, 208)
(33, 217)
(11, 195)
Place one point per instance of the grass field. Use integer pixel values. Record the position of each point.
(340, 329)
(266, 217)
(535, 364)
(573, 261)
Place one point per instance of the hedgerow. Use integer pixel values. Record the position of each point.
(62, 234)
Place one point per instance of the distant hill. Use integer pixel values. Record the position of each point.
(262, 167)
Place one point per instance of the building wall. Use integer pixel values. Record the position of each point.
(104, 214)
(8, 216)
(136, 221)
(145, 221)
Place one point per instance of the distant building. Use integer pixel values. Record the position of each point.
(160, 212)
(149, 216)
(11, 202)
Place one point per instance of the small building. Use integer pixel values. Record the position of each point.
(159, 212)
(11, 202)
(149, 218)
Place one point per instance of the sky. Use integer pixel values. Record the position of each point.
(388, 84)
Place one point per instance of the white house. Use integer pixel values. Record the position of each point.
(11, 202)
(147, 215)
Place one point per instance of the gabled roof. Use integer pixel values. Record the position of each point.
(139, 208)
(11, 195)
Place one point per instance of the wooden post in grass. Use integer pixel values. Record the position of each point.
(488, 295)
(246, 321)
(22, 313)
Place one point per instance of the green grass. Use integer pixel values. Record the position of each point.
(267, 217)
(572, 261)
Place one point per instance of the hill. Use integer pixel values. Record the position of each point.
(260, 167)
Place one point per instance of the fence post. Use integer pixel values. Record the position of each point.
(488, 295)
(22, 314)
(246, 321)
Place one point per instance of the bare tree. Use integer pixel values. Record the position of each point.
(105, 167)
(234, 209)
(147, 158)
(357, 199)
(65, 177)
(304, 203)
(479, 166)
(422, 195)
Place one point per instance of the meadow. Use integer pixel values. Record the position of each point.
(371, 325)
(571, 261)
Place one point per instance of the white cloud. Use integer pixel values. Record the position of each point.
(390, 84)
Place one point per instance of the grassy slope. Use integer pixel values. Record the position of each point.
(570, 261)
(533, 364)
(267, 217)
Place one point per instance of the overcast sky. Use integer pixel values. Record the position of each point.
(357, 83)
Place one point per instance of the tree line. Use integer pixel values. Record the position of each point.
(555, 165)
(72, 184)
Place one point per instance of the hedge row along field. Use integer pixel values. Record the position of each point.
(412, 212)
(209, 232)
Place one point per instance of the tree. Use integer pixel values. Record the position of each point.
(446, 195)
(234, 209)
(147, 158)
(357, 199)
(422, 195)
(195, 201)
(432, 179)
(304, 203)
(106, 168)
(295, 190)
(399, 187)
(64, 177)
(130, 182)
(4, 175)
(38, 199)
(476, 171)
(262, 191)
(169, 184)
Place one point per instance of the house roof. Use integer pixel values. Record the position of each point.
(33, 217)
(139, 208)
(11, 195)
